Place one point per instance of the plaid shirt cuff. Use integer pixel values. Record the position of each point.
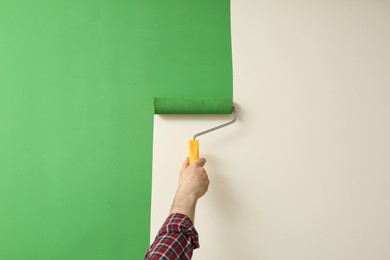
(176, 239)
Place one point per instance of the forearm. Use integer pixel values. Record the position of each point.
(178, 237)
(184, 204)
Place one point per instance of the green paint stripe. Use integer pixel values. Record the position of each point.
(76, 87)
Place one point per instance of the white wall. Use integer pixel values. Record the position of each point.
(305, 172)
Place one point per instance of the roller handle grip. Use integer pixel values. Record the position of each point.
(193, 150)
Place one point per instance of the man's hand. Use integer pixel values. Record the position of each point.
(193, 184)
(193, 180)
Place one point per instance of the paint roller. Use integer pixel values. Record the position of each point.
(196, 106)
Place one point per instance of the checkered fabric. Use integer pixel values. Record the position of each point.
(176, 240)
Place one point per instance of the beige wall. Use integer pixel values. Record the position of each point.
(305, 172)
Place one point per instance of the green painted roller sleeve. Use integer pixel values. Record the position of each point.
(193, 105)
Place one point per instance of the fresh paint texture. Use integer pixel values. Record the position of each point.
(77, 81)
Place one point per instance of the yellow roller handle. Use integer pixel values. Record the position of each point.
(193, 150)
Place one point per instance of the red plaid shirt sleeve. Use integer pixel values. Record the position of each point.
(176, 239)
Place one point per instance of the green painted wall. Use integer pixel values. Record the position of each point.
(77, 80)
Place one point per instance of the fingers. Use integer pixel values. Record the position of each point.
(185, 164)
(200, 162)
